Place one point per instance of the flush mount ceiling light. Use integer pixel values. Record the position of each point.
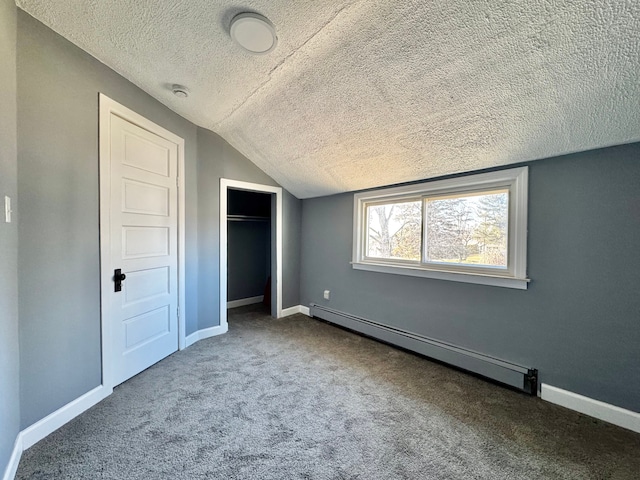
(254, 33)
(180, 91)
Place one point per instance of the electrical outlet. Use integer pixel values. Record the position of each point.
(327, 294)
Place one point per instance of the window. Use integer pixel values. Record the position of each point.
(468, 229)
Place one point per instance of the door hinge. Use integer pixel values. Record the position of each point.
(178, 182)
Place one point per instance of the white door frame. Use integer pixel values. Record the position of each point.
(225, 184)
(107, 108)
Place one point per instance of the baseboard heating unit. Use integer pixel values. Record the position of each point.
(517, 376)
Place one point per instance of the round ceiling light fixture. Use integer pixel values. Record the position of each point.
(254, 33)
(179, 91)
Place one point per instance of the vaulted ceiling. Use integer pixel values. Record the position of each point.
(360, 94)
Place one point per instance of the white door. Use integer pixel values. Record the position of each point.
(144, 246)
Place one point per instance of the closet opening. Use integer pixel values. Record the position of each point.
(250, 248)
(249, 241)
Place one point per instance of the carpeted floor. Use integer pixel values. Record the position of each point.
(296, 398)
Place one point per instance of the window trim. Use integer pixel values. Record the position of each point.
(515, 276)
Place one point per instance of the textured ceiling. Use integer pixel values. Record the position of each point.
(369, 93)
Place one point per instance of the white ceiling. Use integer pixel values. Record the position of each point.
(367, 93)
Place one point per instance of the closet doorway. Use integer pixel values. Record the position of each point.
(250, 246)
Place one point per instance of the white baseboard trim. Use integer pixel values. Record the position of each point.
(49, 424)
(290, 311)
(205, 333)
(245, 301)
(594, 408)
(295, 309)
(14, 461)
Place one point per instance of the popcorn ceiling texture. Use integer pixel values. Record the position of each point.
(369, 93)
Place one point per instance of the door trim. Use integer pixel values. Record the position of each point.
(225, 184)
(107, 108)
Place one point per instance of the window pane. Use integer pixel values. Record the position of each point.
(468, 230)
(394, 230)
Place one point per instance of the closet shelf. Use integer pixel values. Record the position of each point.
(247, 218)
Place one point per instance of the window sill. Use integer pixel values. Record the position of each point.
(480, 279)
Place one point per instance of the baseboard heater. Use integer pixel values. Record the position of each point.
(517, 376)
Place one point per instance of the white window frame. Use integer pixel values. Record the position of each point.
(514, 276)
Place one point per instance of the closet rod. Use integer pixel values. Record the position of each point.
(247, 218)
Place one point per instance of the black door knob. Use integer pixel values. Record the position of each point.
(118, 277)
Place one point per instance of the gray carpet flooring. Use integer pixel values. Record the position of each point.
(296, 398)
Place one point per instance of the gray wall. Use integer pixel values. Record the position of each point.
(578, 321)
(59, 291)
(217, 159)
(9, 356)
